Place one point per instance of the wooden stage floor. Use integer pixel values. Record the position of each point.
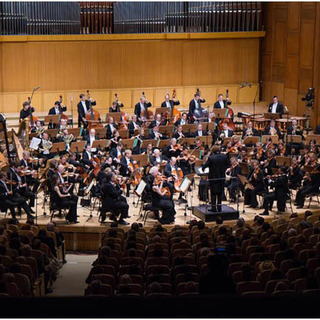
(86, 235)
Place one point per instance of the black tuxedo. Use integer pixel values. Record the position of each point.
(225, 103)
(290, 131)
(137, 108)
(230, 133)
(204, 133)
(154, 123)
(171, 102)
(86, 159)
(81, 113)
(170, 154)
(109, 133)
(217, 164)
(153, 136)
(113, 153)
(279, 109)
(154, 162)
(254, 133)
(53, 110)
(192, 105)
(131, 127)
(267, 131)
(87, 138)
(178, 122)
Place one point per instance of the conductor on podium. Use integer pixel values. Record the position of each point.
(217, 164)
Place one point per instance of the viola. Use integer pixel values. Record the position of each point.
(158, 180)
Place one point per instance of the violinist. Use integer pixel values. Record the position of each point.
(63, 198)
(173, 150)
(133, 125)
(169, 103)
(249, 131)
(140, 137)
(195, 108)
(157, 158)
(117, 153)
(127, 167)
(269, 163)
(183, 120)
(160, 198)
(83, 108)
(112, 201)
(243, 156)
(169, 170)
(259, 151)
(186, 161)
(26, 110)
(21, 187)
(221, 103)
(141, 106)
(27, 163)
(311, 184)
(302, 160)
(272, 129)
(92, 136)
(111, 127)
(295, 175)
(64, 182)
(11, 199)
(232, 181)
(57, 108)
(53, 166)
(115, 139)
(281, 150)
(200, 146)
(257, 180)
(158, 121)
(281, 192)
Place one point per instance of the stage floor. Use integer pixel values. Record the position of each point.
(86, 235)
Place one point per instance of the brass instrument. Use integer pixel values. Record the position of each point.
(47, 145)
(68, 138)
(249, 132)
(273, 131)
(40, 131)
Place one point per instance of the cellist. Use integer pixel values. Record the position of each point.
(127, 167)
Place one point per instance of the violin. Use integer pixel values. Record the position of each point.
(92, 116)
(158, 180)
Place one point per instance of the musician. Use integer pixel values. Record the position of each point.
(201, 133)
(157, 158)
(21, 188)
(133, 125)
(249, 131)
(256, 179)
(63, 198)
(183, 120)
(26, 110)
(117, 153)
(226, 132)
(179, 134)
(173, 150)
(53, 166)
(302, 160)
(92, 136)
(25, 161)
(44, 147)
(270, 163)
(10, 199)
(311, 183)
(87, 156)
(272, 129)
(280, 194)
(158, 122)
(232, 184)
(57, 109)
(115, 107)
(243, 155)
(281, 151)
(186, 162)
(295, 175)
(141, 106)
(221, 103)
(111, 127)
(65, 180)
(217, 164)
(83, 108)
(112, 201)
(169, 103)
(294, 129)
(39, 129)
(195, 108)
(156, 135)
(276, 107)
(259, 151)
(200, 146)
(127, 167)
(168, 172)
(159, 198)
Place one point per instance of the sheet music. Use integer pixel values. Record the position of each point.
(185, 184)
(34, 144)
(140, 187)
(205, 171)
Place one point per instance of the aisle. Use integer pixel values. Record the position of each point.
(72, 276)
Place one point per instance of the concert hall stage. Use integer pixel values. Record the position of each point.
(86, 235)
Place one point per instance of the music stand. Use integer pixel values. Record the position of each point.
(146, 142)
(226, 140)
(163, 143)
(275, 139)
(74, 131)
(188, 141)
(283, 161)
(141, 159)
(310, 137)
(115, 115)
(52, 118)
(52, 133)
(43, 187)
(99, 144)
(101, 132)
(244, 168)
(209, 126)
(77, 146)
(167, 129)
(189, 127)
(308, 168)
(271, 116)
(139, 191)
(58, 147)
(124, 133)
(203, 139)
(162, 111)
(251, 140)
(198, 163)
(127, 143)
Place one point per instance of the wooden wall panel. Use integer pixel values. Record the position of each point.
(294, 16)
(307, 44)
(77, 65)
(280, 36)
(292, 72)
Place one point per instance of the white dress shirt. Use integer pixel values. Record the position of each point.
(196, 103)
(60, 176)
(182, 122)
(142, 107)
(84, 106)
(221, 104)
(56, 110)
(225, 133)
(168, 104)
(274, 108)
(92, 138)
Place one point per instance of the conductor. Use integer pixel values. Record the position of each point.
(217, 164)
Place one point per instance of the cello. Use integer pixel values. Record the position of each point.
(92, 116)
(229, 116)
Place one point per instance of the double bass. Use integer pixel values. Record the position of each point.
(61, 114)
(146, 114)
(32, 119)
(92, 116)
(175, 114)
(200, 113)
(124, 115)
(229, 116)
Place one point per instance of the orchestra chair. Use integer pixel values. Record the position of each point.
(62, 212)
(312, 195)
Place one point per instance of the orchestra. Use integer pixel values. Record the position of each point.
(172, 145)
